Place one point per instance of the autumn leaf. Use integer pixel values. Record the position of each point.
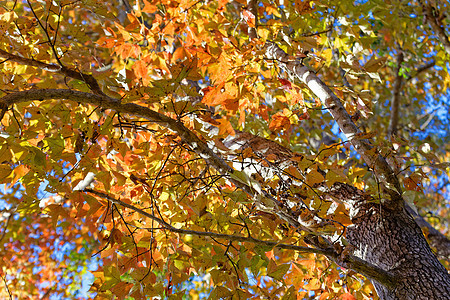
(347, 296)
(277, 271)
(286, 83)
(374, 64)
(249, 18)
(174, 149)
(140, 69)
(413, 182)
(279, 122)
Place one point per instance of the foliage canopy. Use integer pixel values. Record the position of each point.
(182, 140)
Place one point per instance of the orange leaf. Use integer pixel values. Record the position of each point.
(128, 50)
(222, 70)
(297, 98)
(179, 54)
(225, 127)
(279, 122)
(106, 42)
(149, 8)
(125, 34)
(140, 69)
(249, 18)
(19, 172)
(347, 296)
(270, 255)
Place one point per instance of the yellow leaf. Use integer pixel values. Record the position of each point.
(8, 16)
(164, 196)
(327, 54)
(313, 284)
(263, 33)
(314, 177)
(19, 172)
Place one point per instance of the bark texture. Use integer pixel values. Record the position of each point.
(392, 240)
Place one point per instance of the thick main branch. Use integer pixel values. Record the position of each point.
(364, 148)
(195, 143)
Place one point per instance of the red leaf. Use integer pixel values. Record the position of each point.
(286, 83)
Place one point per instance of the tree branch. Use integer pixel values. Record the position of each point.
(437, 240)
(348, 261)
(88, 79)
(335, 53)
(395, 102)
(229, 237)
(433, 18)
(252, 6)
(203, 151)
(50, 42)
(6, 286)
(196, 144)
(422, 68)
(372, 158)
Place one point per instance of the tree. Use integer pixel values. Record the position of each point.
(174, 139)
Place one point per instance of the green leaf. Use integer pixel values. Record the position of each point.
(277, 271)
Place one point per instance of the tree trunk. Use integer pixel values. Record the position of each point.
(391, 240)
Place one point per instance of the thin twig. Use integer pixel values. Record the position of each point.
(6, 285)
(52, 46)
